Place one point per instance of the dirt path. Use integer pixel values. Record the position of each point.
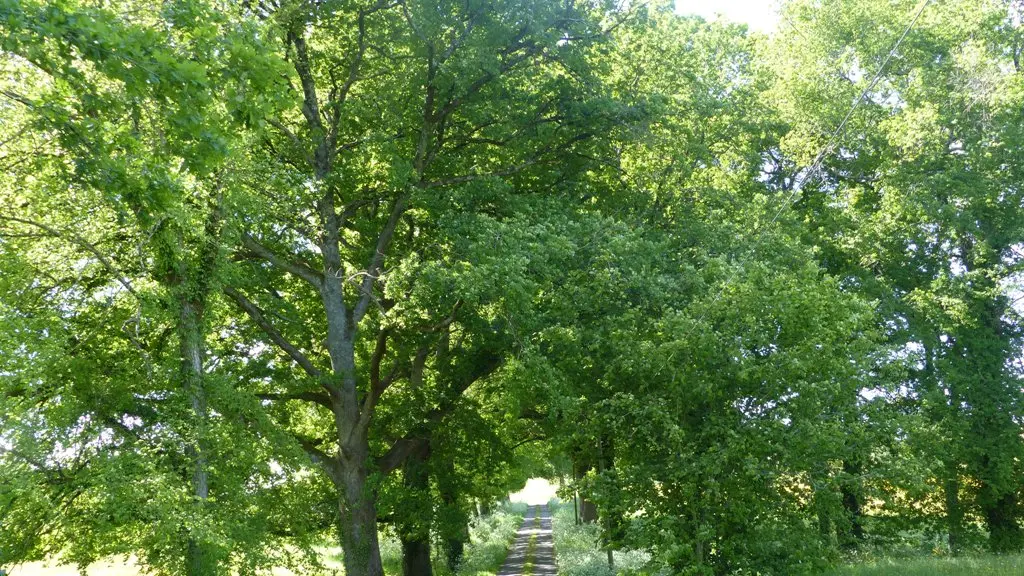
(533, 553)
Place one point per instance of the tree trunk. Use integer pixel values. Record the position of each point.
(416, 537)
(954, 515)
(198, 559)
(455, 536)
(358, 524)
(854, 534)
(416, 557)
(588, 511)
(824, 508)
(1000, 512)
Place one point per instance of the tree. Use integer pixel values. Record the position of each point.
(415, 131)
(920, 211)
(116, 206)
(712, 362)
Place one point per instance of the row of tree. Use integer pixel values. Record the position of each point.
(279, 269)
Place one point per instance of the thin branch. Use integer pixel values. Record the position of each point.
(315, 397)
(528, 441)
(377, 261)
(295, 139)
(294, 268)
(257, 316)
(449, 320)
(473, 177)
(84, 244)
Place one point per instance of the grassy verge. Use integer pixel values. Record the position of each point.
(578, 553)
(1012, 565)
(489, 540)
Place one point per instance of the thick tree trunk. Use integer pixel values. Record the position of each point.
(585, 464)
(455, 530)
(455, 536)
(854, 534)
(416, 557)
(455, 549)
(1004, 533)
(358, 523)
(588, 511)
(824, 509)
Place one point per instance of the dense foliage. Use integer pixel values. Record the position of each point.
(276, 272)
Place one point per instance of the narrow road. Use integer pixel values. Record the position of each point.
(533, 552)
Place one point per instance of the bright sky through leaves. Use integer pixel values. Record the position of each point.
(759, 15)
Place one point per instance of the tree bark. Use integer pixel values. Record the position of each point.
(854, 534)
(198, 561)
(416, 557)
(954, 514)
(358, 522)
(455, 536)
(1000, 511)
(588, 511)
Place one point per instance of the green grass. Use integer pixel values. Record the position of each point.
(490, 538)
(938, 566)
(578, 553)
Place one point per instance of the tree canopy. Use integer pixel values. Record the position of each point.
(277, 272)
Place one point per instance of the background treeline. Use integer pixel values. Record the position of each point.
(279, 271)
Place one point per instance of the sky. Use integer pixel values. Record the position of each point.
(760, 15)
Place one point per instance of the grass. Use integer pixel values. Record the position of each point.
(1012, 565)
(577, 552)
(490, 538)
(489, 541)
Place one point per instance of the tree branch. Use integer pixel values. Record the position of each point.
(398, 452)
(295, 139)
(484, 364)
(296, 269)
(377, 261)
(257, 316)
(315, 397)
(120, 277)
(330, 464)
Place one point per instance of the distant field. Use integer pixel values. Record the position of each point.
(972, 566)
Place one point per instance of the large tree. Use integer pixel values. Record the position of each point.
(117, 187)
(918, 206)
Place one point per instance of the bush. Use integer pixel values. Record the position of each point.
(489, 540)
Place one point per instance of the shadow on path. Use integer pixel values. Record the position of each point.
(538, 558)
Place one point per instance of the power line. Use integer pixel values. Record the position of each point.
(829, 146)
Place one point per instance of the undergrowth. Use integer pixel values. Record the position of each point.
(986, 565)
(578, 552)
